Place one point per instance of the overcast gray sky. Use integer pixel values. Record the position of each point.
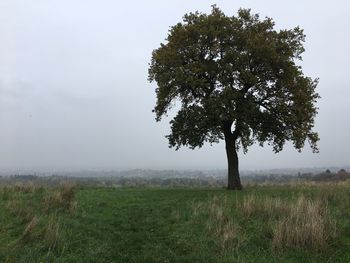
(74, 91)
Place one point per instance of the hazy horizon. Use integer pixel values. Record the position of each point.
(91, 171)
(74, 92)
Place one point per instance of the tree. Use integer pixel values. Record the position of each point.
(236, 78)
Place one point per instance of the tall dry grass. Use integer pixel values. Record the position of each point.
(298, 223)
(219, 224)
(41, 220)
(51, 232)
(302, 223)
(18, 188)
(18, 209)
(61, 199)
(28, 231)
(255, 206)
(308, 224)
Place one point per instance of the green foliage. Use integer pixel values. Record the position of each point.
(236, 73)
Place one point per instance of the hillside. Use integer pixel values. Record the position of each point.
(291, 223)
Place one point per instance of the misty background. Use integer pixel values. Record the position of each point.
(74, 92)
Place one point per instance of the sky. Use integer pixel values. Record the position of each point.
(74, 92)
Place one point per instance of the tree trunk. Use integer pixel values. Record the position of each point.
(234, 181)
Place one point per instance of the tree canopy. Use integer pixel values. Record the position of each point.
(236, 75)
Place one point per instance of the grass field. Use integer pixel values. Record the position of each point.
(291, 223)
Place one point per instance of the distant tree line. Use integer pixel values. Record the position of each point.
(172, 179)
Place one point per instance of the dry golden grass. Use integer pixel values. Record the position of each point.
(24, 187)
(28, 231)
(66, 191)
(73, 207)
(61, 199)
(218, 223)
(300, 184)
(254, 206)
(19, 210)
(51, 231)
(303, 223)
(19, 187)
(307, 225)
(297, 223)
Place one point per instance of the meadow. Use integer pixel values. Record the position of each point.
(296, 222)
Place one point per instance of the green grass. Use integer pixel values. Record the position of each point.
(161, 225)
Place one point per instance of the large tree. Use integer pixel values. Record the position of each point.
(235, 78)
